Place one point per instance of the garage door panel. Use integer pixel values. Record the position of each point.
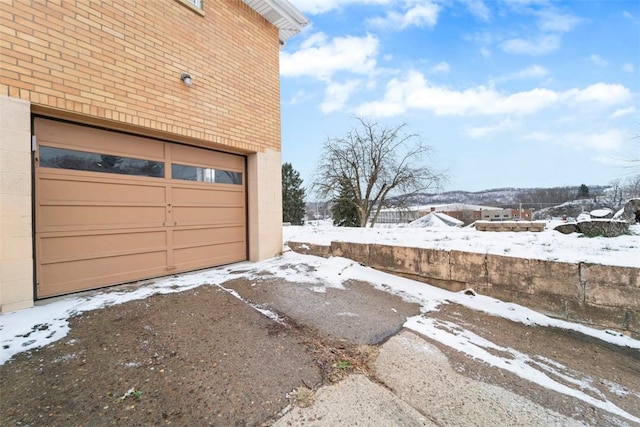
(205, 195)
(74, 217)
(54, 188)
(201, 215)
(101, 221)
(61, 134)
(76, 247)
(197, 156)
(205, 256)
(89, 274)
(203, 236)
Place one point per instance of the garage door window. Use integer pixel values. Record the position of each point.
(60, 158)
(194, 173)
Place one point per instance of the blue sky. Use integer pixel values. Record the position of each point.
(509, 93)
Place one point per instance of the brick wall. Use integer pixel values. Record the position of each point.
(120, 61)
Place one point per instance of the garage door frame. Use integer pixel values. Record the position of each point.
(36, 224)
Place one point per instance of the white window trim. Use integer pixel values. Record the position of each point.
(195, 5)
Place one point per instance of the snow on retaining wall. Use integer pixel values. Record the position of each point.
(599, 295)
(510, 225)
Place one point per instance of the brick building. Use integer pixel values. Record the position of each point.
(460, 211)
(137, 139)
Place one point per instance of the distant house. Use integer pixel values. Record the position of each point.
(505, 214)
(460, 211)
(398, 215)
(496, 214)
(141, 138)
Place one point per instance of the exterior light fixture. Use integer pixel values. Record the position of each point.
(186, 78)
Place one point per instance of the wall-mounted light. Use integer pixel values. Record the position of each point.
(186, 78)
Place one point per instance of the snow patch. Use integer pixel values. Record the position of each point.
(517, 363)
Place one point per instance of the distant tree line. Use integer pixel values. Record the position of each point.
(543, 197)
(621, 190)
(375, 166)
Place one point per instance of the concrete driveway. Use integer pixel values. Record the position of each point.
(335, 355)
(416, 381)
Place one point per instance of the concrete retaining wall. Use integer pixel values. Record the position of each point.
(604, 296)
(510, 225)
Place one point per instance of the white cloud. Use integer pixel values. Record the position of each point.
(483, 38)
(623, 112)
(485, 52)
(318, 38)
(337, 94)
(532, 72)
(441, 67)
(611, 161)
(551, 21)
(478, 9)
(482, 131)
(549, 27)
(603, 141)
(413, 91)
(597, 60)
(538, 136)
(600, 93)
(300, 96)
(320, 57)
(628, 67)
(316, 7)
(608, 140)
(542, 45)
(414, 13)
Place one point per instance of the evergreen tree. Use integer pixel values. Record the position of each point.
(583, 192)
(345, 207)
(293, 207)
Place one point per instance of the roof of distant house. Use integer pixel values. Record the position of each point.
(454, 207)
(436, 219)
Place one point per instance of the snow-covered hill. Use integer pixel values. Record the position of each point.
(536, 198)
(569, 209)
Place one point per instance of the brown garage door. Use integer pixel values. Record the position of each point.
(113, 208)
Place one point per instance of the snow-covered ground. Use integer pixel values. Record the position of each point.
(44, 324)
(547, 245)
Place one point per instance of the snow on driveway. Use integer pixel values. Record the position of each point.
(41, 325)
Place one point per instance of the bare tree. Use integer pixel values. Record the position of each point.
(632, 162)
(631, 187)
(379, 162)
(635, 161)
(613, 195)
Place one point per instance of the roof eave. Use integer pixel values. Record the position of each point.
(289, 20)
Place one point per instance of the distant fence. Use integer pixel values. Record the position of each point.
(604, 296)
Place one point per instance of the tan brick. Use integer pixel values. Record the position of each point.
(77, 30)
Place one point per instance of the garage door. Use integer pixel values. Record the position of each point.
(113, 208)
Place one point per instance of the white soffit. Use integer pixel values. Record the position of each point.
(282, 14)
